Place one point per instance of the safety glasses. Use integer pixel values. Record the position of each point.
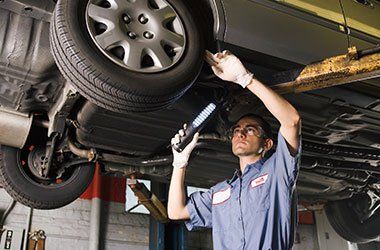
(255, 130)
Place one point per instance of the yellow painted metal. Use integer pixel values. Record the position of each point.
(365, 18)
(326, 8)
(360, 17)
(333, 71)
(149, 200)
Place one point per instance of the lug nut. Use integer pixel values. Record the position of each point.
(132, 35)
(42, 98)
(143, 19)
(148, 35)
(126, 18)
(171, 52)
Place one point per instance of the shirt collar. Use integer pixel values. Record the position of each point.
(256, 166)
(237, 174)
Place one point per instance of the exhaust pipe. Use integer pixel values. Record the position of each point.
(14, 128)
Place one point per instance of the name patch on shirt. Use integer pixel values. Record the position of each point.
(221, 196)
(259, 181)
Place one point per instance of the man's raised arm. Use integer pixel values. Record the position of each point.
(177, 196)
(229, 68)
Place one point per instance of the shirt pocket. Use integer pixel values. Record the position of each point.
(221, 206)
(258, 193)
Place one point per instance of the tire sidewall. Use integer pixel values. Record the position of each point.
(347, 224)
(173, 80)
(25, 190)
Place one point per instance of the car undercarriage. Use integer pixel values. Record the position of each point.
(60, 131)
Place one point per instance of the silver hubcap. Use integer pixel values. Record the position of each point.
(140, 35)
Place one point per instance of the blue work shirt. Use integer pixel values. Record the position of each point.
(252, 210)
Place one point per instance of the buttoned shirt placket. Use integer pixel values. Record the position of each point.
(241, 218)
(243, 181)
(236, 184)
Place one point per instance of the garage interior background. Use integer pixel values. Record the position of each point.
(71, 227)
(302, 33)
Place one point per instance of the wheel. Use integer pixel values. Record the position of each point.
(344, 216)
(126, 55)
(19, 177)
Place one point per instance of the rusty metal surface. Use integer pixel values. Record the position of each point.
(333, 71)
(149, 200)
(29, 78)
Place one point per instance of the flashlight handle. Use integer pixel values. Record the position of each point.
(186, 138)
(195, 126)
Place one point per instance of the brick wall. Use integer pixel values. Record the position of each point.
(69, 227)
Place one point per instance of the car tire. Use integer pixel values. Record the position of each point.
(24, 189)
(347, 224)
(114, 86)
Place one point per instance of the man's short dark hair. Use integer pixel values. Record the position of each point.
(263, 123)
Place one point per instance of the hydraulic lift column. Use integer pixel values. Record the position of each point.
(163, 234)
(168, 236)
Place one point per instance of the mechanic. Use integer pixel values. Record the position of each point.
(252, 210)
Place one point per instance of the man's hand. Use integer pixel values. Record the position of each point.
(180, 159)
(229, 68)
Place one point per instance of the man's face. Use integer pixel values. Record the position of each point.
(244, 144)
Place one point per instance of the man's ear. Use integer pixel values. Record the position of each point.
(268, 144)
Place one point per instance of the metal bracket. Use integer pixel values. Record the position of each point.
(61, 109)
(50, 148)
(37, 240)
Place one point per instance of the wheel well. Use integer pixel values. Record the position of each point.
(206, 20)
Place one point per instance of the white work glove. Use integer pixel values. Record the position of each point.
(229, 68)
(181, 159)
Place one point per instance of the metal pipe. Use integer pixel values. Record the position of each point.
(41, 123)
(14, 128)
(161, 160)
(96, 209)
(89, 154)
(367, 52)
(7, 211)
(27, 227)
(94, 240)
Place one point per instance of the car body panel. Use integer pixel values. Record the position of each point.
(219, 19)
(283, 35)
(359, 16)
(140, 134)
(304, 34)
(365, 18)
(24, 50)
(329, 10)
(28, 73)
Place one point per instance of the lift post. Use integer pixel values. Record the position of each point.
(168, 236)
(149, 200)
(163, 234)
